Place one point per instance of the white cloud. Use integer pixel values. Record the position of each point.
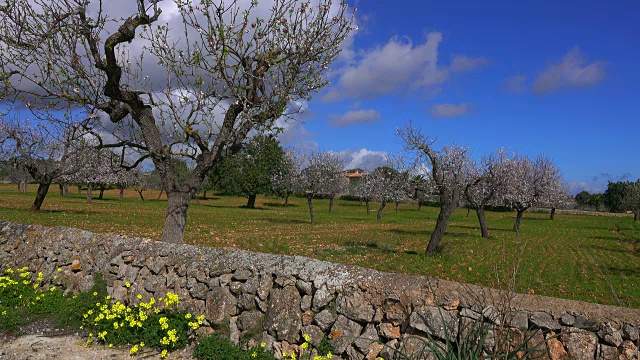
(572, 71)
(363, 159)
(398, 65)
(441, 111)
(355, 117)
(515, 83)
(460, 63)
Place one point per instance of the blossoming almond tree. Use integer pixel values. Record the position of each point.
(287, 180)
(323, 170)
(528, 183)
(485, 180)
(449, 172)
(189, 83)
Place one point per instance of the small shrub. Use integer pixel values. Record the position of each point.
(143, 324)
(23, 299)
(213, 347)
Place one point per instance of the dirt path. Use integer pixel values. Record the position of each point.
(41, 341)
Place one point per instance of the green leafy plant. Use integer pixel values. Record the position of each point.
(213, 347)
(23, 299)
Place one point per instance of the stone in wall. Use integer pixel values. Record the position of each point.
(284, 319)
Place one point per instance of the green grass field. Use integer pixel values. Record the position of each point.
(580, 257)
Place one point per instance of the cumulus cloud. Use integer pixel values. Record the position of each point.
(460, 63)
(355, 117)
(576, 186)
(573, 71)
(441, 111)
(363, 159)
(515, 83)
(395, 66)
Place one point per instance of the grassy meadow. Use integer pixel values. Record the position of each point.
(580, 257)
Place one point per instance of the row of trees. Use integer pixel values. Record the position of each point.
(261, 166)
(501, 179)
(620, 196)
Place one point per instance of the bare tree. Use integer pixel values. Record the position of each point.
(449, 171)
(43, 149)
(17, 173)
(189, 89)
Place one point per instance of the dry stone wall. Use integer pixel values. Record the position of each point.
(276, 298)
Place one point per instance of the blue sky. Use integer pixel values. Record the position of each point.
(553, 77)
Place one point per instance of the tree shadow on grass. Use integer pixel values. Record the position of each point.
(353, 204)
(287, 221)
(606, 238)
(57, 211)
(275, 204)
(478, 228)
(631, 272)
(604, 248)
(244, 207)
(410, 232)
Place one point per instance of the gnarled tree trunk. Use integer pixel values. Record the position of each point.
(441, 226)
(397, 203)
(553, 213)
(89, 197)
(382, 205)
(61, 189)
(176, 216)
(483, 222)
(366, 201)
(43, 188)
(636, 215)
(286, 199)
(251, 201)
(121, 193)
(331, 204)
(310, 202)
(160, 195)
(516, 225)
(140, 193)
(101, 192)
(66, 191)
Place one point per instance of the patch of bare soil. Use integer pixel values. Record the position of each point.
(42, 341)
